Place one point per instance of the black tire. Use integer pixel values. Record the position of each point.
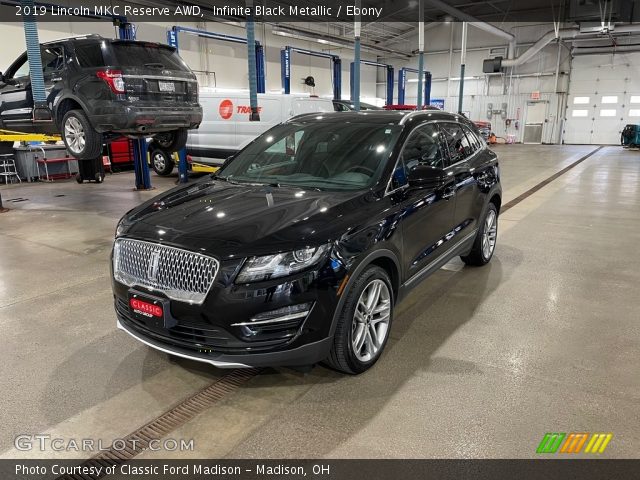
(343, 355)
(98, 177)
(478, 255)
(161, 161)
(76, 120)
(172, 141)
(79, 178)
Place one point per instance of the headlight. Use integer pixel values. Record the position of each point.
(120, 228)
(257, 269)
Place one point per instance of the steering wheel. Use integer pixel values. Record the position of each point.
(366, 170)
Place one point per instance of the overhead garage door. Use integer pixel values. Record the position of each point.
(604, 95)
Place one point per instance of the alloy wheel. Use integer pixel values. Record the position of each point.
(74, 135)
(370, 324)
(489, 234)
(159, 161)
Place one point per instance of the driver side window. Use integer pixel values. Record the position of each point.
(423, 147)
(19, 71)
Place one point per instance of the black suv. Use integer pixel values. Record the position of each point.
(297, 250)
(100, 88)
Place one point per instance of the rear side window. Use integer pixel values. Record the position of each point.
(459, 145)
(130, 54)
(89, 55)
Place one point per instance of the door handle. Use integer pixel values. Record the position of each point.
(448, 192)
(56, 79)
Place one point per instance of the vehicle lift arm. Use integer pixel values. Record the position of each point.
(402, 82)
(390, 79)
(285, 68)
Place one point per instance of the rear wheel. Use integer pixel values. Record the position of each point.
(364, 323)
(172, 141)
(161, 162)
(80, 138)
(485, 242)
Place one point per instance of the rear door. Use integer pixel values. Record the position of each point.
(463, 147)
(152, 72)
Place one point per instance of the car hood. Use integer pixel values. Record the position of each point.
(221, 218)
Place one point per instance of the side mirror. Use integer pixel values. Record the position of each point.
(424, 176)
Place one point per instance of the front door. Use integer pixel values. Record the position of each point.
(427, 212)
(16, 103)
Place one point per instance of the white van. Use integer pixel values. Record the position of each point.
(226, 128)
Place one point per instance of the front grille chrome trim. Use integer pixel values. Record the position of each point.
(180, 274)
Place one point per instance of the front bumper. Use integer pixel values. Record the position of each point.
(132, 119)
(213, 333)
(305, 355)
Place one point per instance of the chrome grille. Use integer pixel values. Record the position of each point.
(179, 274)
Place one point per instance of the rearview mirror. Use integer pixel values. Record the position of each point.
(423, 176)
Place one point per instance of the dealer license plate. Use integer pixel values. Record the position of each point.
(166, 86)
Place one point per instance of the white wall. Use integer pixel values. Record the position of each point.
(484, 89)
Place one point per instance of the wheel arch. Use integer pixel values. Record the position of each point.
(63, 106)
(383, 258)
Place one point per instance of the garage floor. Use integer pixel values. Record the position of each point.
(482, 361)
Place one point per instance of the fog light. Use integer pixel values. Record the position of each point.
(284, 314)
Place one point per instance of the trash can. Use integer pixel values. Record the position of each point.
(90, 171)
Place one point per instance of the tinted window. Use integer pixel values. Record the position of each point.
(52, 59)
(459, 146)
(89, 55)
(316, 155)
(21, 70)
(423, 148)
(474, 139)
(129, 54)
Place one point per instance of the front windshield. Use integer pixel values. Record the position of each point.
(320, 155)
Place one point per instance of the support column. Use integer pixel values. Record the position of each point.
(253, 78)
(420, 55)
(356, 68)
(463, 61)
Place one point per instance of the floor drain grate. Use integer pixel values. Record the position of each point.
(138, 441)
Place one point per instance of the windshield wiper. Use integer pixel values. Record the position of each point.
(224, 178)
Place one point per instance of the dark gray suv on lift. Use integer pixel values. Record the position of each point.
(99, 88)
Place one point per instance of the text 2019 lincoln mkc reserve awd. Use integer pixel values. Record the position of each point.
(297, 250)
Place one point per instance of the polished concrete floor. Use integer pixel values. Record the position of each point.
(482, 362)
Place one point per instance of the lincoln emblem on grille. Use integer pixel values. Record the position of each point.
(154, 262)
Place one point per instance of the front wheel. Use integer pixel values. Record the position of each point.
(485, 242)
(80, 138)
(172, 141)
(364, 322)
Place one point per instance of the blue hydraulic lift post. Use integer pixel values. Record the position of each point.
(173, 40)
(402, 80)
(389, 73)
(251, 57)
(285, 68)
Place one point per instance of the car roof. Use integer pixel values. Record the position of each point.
(381, 117)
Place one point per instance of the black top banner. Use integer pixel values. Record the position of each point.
(275, 11)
